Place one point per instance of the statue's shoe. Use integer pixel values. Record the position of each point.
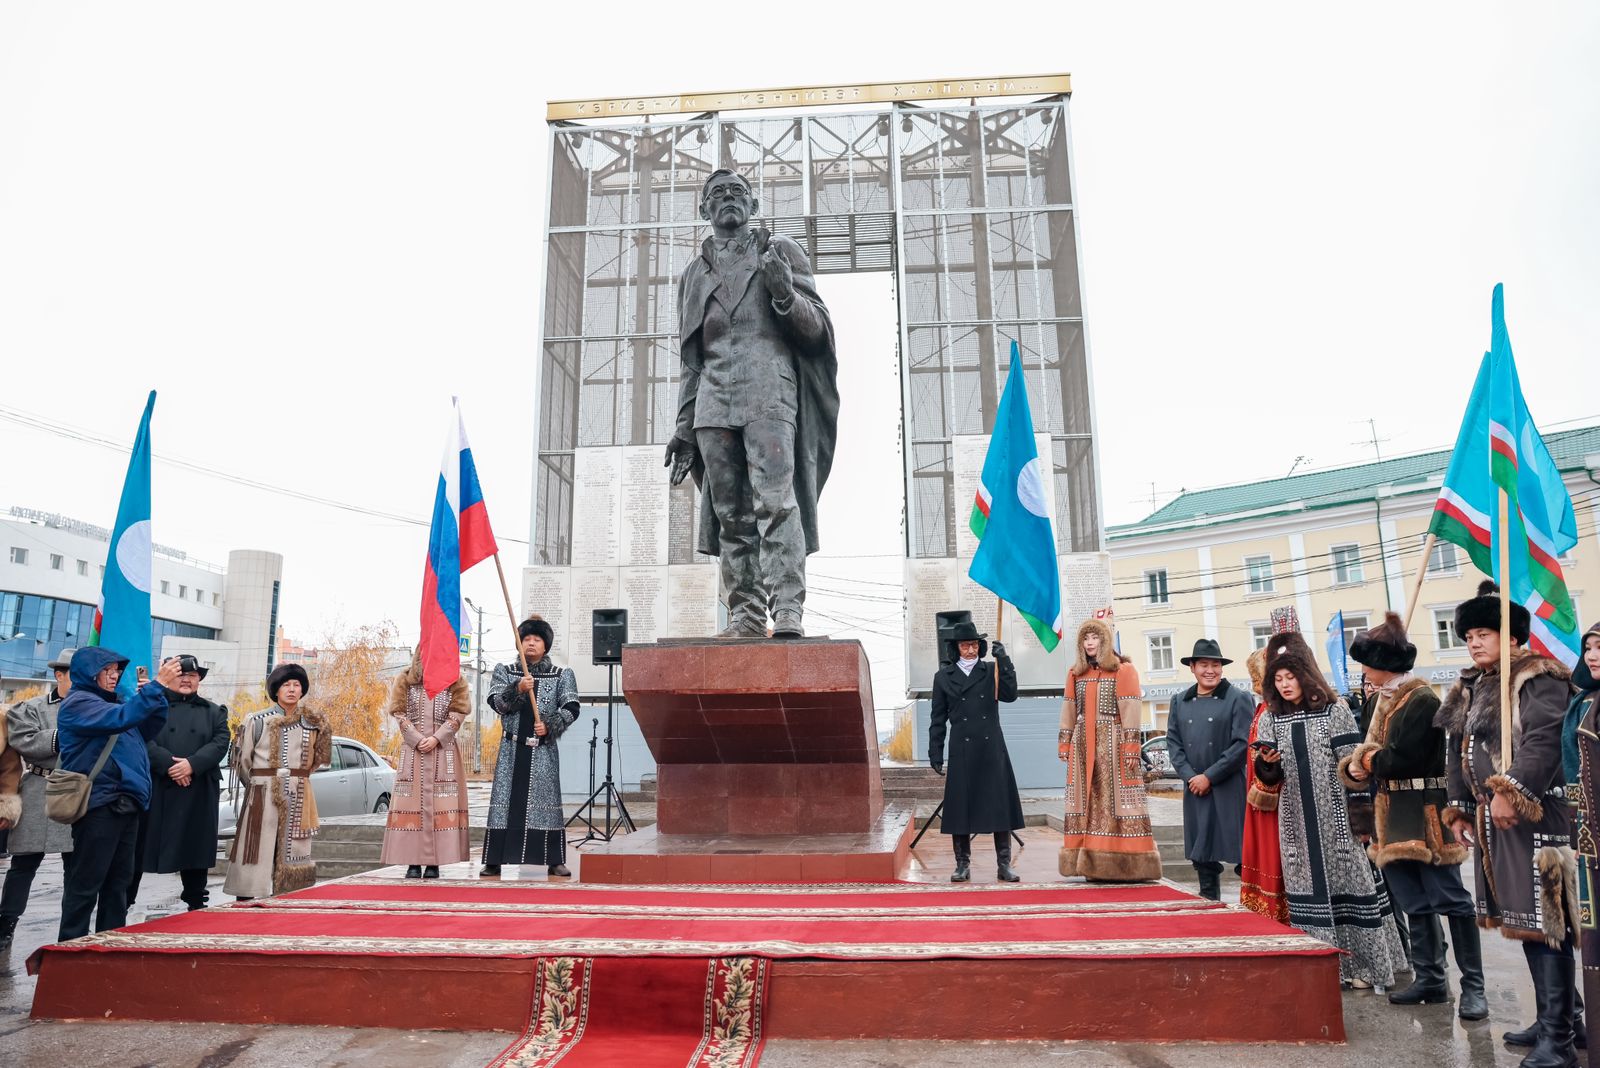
(742, 631)
(787, 625)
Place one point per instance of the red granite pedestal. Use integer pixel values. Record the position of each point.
(767, 767)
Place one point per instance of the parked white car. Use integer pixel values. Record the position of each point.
(355, 782)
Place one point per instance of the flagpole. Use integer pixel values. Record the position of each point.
(505, 591)
(999, 629)
(1422, 573)
(1505, 630)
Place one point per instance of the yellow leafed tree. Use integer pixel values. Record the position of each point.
(351, 681)
(245, 703)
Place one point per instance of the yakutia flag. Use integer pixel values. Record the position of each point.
(1016, 557)
(122, 618)
(1499, 447)
(460, 538)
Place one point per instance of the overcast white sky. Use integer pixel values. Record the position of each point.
(308, 224)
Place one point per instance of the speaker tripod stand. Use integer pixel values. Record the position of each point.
(587, 812)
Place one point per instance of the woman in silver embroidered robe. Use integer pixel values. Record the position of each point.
(526, 823)
(274, 753)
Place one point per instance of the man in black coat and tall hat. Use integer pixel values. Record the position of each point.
(180, 830)
(1208, 731)
(980, 794)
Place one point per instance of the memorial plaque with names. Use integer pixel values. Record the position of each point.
(692, 601)
(644, 507)
(596, 507)
(966, 457)
(1085, 586)
(547, 592)
(932, 586)
(683, 506)
(644, 594)
(592, 587)
(982, 603)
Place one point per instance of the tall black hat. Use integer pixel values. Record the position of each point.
(1484, 611)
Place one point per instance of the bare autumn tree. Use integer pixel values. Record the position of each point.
(351, 683)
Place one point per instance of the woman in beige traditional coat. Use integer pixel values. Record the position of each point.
(274, 754)
(1108, 836)
(428, 813)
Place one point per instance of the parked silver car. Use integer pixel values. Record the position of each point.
(355, 782)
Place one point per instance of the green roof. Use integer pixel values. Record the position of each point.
(1328, 489)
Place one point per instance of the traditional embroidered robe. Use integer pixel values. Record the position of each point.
(427, 822)
(526, 824)
(1261, 869)
(273, 757)
(1334, 894)
(1107, 814)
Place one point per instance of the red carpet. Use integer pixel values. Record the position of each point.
(603, 1012)
(887, 922)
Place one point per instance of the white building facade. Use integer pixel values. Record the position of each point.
(51, 568)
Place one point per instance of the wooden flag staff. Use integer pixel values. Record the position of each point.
(999, 629)
(1505, 631)
(505, 591)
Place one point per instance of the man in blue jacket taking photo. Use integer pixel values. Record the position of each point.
(103, 841)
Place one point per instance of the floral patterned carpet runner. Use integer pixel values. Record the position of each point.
(612, 1012)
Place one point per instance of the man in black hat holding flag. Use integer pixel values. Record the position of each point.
(980, 796)
(1208, 731)
(180, 830)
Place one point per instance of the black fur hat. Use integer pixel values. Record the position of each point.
(537, 625)
(1484, 611)
(282, 674)
(1385, 647)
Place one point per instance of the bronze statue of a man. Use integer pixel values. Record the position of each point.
(758, 408)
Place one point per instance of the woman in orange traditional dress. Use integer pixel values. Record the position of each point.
(1107, 814)
(1261, 873)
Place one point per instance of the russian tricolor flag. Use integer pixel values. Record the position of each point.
(459, 539)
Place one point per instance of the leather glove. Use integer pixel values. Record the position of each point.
(999, 651)
(937, 766)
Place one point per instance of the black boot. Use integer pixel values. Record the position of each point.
(1469, 960)
(8, 927)
(1002, 856)
(414, 872)
(431, 871)
(1553, 979)
(963, 847)
(1428, 986)
(1210, 881)
(1530, 1034)
(489, 871)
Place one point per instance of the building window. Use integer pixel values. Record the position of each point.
(57, 562)
(183, 591)
(1444, 560)
(1444, 630)
(83, 568)
(166, 587)
(1347, 565)
(1155, 586)
(1160, 646)
(1259, 570)
(199, 595)
(1354, 624)
(1260, 635)
(19, 555)
(216, 600)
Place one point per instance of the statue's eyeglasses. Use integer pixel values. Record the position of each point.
(727, 192)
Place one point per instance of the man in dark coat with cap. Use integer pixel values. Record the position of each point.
(980, 795)
(179, 833)
(1208, 731)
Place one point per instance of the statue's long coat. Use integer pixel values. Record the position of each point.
(816, 376)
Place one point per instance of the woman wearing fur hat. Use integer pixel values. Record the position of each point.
(1580, 751)
(1516, 815)
(274, 754)
(526, 824)
(1261, 868)
(1332, 892)
(1404, 757)
(1108, 835)
(427, 823)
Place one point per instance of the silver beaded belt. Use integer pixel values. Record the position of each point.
(1416, 784)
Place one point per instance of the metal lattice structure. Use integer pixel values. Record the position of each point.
(971, 207)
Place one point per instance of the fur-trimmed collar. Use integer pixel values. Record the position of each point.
(460, 698)
(1475, 709)
(1220, 693)
(1389, 703)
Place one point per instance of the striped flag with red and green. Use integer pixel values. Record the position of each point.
(1499, 447)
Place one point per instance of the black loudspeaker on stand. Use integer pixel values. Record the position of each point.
(610, 635)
